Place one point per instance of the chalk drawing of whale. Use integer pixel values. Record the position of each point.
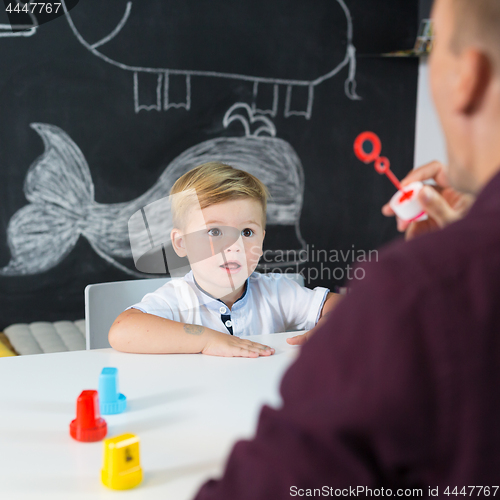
(62, 207)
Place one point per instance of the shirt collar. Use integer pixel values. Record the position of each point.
(216, 301)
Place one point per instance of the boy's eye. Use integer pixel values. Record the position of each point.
(215, 232)
(247, 232)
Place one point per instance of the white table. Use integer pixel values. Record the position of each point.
(187, 409)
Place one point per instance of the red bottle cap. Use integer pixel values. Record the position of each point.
(88, 425)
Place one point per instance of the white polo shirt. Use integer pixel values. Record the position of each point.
(271, 303)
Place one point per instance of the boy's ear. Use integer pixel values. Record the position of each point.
(178, 242)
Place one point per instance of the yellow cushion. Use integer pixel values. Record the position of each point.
(5, 346)
(5, 351)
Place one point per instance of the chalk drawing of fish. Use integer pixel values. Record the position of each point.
(60, 192)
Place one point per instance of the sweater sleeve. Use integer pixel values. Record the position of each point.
(358, 404)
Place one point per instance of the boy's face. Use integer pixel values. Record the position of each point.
(223, 243)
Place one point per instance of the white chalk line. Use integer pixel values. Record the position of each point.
(117, 30)
(60, 192)
(350, 58)
(166, 99)
(274, 111)
(29, 29)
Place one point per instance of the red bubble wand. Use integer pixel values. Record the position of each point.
(382, 164)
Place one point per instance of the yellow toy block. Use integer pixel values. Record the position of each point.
(122, 467)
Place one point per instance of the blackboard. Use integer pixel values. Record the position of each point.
(97, 106)
(425, 9)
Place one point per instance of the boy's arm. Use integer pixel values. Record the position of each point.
(138, 332)
(332, 299)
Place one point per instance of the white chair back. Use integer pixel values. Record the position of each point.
(105, 301)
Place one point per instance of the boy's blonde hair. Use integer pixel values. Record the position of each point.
(214, 183)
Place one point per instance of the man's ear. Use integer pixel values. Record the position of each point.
(473, 78)
(178, 242)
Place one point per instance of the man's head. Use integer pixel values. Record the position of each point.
(219, 216)
(465, 81)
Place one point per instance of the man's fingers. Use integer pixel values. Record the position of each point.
(402, 225)
(433, 170)
(388, 211)
(443, 204)
(298, 340)
(436, 207)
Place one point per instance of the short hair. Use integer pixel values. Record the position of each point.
(477, 21)
(214, 183)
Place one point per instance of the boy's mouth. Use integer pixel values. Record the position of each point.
(230, 265)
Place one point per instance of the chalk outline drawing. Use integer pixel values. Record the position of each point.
(28, 29)
(60, 192)
(164, 73)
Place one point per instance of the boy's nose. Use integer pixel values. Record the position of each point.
(236, 246)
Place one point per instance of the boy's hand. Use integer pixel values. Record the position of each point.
(222, 344)
(442, 203)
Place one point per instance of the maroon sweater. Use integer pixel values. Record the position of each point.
(400, 388)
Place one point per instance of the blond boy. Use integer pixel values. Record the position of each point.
(219, 216)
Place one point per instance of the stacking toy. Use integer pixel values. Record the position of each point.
(88, 426)
(110, 400)
(405, 202)
(121, 468)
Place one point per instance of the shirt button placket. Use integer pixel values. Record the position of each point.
(226, 320)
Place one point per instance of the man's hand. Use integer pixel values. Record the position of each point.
(222, 344)
(300, 339)
(442, 203)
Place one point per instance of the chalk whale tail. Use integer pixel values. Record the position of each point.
(59, 188)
